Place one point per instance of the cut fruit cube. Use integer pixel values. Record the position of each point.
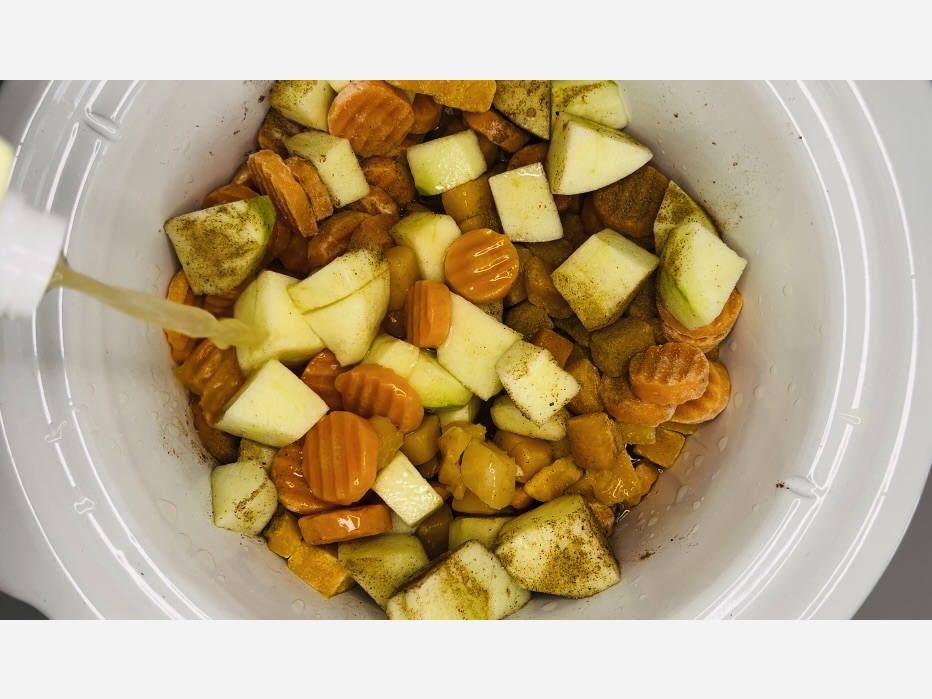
(466, 583)
(698, 272)
(461, 413)
(525, 205)
(266, 306)
(336, 164)
(304, 101)
(273, 407)
(341, 277)
(220, 247)
(558, 548)
(534, 380)
(447, 162)
(526, 103)
(602, 276)
(429, 235)
(597, 100)
(677, 208)
(349, 326)
(585, 156)
(482, 529)
(406, 491)
(380, 564)
(507, 416)
(475, 342)
(243, 497)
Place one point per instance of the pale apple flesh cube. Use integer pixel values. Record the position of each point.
(601, 277)
(482, 529)
(677, 208)
(460, 413)
(430, 235)
(585, 156)
(406, 491)
(698, 272)
(305, 102)
(436, 386)
(243, 497)
(255, 451)
(272, 407)
(526, 103)
(349, 326)
(475, 342)
(342, 276)
(380, 564)
(393, 353)
(336, 164)
(597, 100)
(266, 306)
(558, 548)
(443, 163)
(219, 247)
(468, 582)
(534, 380)
(338, 85)
(525, 205)
(507, 416)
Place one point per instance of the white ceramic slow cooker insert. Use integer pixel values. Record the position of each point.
(789, 505)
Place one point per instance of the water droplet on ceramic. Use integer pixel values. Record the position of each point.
(221, 578)
(189, 179)
(848, 417)
(185, 146)
(642, 597)
(791, 387)
(715, 475)
(90, 388)
(154, 273)
(117, 449)
(185, 540)
(163, 397)
(298, 606)
(797, 402)
(760, 392)
(738, 400)
(755, 507)
(697, 505)
(650, 536)
(204, 557)
(123, 397)
(801, 486)
(733, 346)
(722, 443)
(681, 494)
(168, 509)
(773, 370)
(693, 530)
(773, 225)
(652, 521)
(549, 607)
(699, 461)
(55, 434)
(788, 290)
(83, 505)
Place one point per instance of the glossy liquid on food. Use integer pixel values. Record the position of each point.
(191, 321)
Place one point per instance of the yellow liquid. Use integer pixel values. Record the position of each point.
(188, 320)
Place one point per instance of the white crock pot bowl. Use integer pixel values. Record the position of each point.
(789, 505)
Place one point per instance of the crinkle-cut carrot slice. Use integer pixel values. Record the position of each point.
(374, 231)
(287, 473)
(377, 203)
(224, 447)
(622, 404)
(345, 524)
(307, 176)
(710, 403)
(212, 374)
(391, 176)
(707, 336)
(227, 194)
(273, 178)
(372, 115)
(319, 375)
(179, 291)
(673, 372)
(482, 265)
(340, 456)
(333, 238)
(497, 129)
(370, 389)
(468, 95)
(221, 305)
(427, 113)
(428, 310)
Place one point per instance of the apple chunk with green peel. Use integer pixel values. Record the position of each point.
(336, 164)
(525, 205)
(597, 100)
(535, 382)
(429, 235)
(507, 416)
(348, 326)
(341, 277)
(558, 548)
(243, 497)
(601, 277)
(482, 529)
(273, 407)
(221, 246)
(698, 272)
(305, 102)
(446, 162)
(468, 582)
(676, 209)
(266, 306)
(475, 342)
(585, 156)
(380, 564)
